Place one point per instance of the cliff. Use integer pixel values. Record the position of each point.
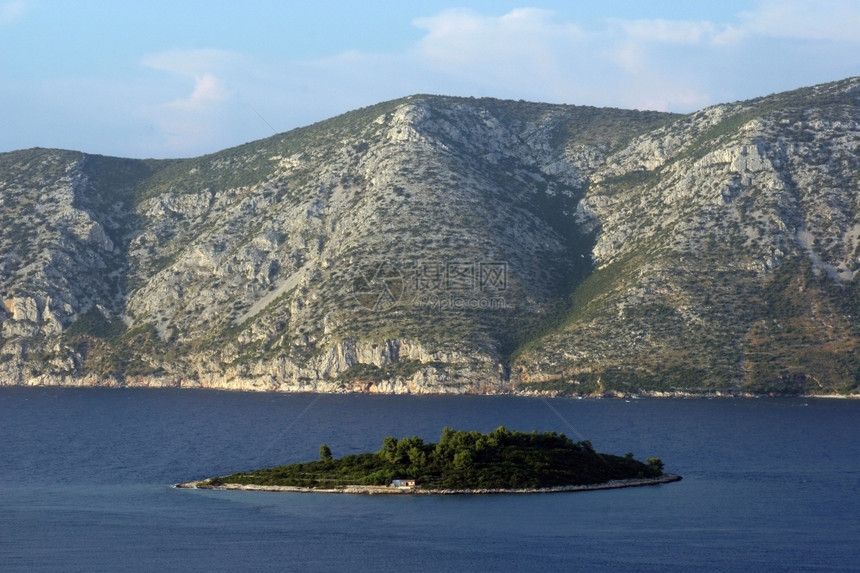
(439, 244)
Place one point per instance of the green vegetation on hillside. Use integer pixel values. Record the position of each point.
(252, 163)
(529, 247)
(788, 350)
(461, 460)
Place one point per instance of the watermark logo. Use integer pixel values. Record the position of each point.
(460, 277)
(492, 277)
(441, 285)
(378, 287)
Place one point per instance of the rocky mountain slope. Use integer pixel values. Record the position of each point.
(438, 244)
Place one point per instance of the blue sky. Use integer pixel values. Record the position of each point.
(175, 79)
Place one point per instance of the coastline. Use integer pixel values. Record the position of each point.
(391, 490)
(260, 386)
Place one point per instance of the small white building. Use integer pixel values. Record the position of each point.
(403, 483)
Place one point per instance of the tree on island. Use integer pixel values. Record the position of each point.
(501, 459)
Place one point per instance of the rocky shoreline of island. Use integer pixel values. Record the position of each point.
(393, 490)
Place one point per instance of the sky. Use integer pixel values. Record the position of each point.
(179, 78)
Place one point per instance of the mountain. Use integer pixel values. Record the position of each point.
(442, 244)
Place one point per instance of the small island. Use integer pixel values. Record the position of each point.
(502, 461)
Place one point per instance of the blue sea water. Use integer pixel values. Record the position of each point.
(86, 475)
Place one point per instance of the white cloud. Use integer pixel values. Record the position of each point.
(829, 20)
(13, 11)
(194, 62)
(534, 54)
(192, 120)
(206, 68)
(208, 91)
(204, 100)
(676, 31)
(465, 37)
(663, 64)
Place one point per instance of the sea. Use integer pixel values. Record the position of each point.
(87, 485)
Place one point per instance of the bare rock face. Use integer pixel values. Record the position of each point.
(436, 244)
(727, 256)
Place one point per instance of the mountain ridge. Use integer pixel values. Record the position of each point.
(443, 244)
